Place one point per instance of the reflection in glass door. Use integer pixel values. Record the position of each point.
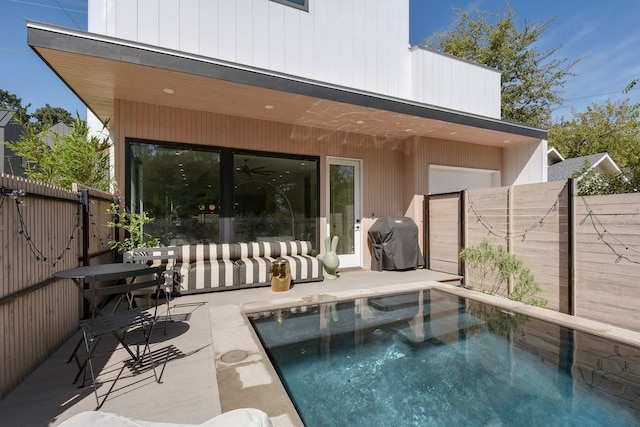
(344, 209)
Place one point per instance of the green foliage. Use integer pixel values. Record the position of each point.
(493, 267)
(531, 80)
(594, 183)
(133, 224)
(497, 320)
(613, 128)
(11, 102)
(48, 116)
(72, 158)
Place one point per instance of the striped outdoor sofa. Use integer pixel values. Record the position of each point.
(216, 267)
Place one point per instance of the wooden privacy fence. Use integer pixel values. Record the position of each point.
(583, 251)
(43, 229)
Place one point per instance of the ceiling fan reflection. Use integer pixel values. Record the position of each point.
(258, 170)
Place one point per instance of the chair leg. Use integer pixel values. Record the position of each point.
(90, 345)
(167, 297)
(146, 351)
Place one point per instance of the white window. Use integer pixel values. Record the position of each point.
(448, 179)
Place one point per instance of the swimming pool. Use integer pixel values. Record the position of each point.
(432, 358)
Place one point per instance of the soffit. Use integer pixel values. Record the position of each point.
(139, 75)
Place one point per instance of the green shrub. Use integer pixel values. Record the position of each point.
(491, 269)
(133, 224)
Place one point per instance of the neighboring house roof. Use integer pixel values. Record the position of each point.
(554, 156)
(59, 128)
(565, 169)
(5, 116)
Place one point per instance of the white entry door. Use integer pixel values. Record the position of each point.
(344, 209)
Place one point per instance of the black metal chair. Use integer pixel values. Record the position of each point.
(119, 322)
(159, 256)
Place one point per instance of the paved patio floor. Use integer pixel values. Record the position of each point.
(204, 377)
(198, 383)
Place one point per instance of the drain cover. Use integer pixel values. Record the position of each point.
(234, 356)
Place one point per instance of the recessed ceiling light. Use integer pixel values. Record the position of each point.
(167, 90)
(453, 133)
(359, 122)
(506, 141)
(268, 107)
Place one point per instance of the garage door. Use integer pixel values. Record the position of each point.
(447, 179)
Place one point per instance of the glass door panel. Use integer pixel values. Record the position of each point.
(343, 209)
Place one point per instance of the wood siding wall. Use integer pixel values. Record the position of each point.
(444, 233)
(530, 221)
(596, 279)
(395, 172)
(40, 234)
(608, 259)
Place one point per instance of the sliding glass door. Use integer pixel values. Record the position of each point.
(274, 198)
(206, 195)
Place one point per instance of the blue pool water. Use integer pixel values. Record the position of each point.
(433, 359)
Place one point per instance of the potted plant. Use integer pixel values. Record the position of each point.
(133, 224)
(135, 237)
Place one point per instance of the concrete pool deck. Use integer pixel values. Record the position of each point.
(216, 362)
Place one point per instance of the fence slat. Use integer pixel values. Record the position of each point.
(39, 236)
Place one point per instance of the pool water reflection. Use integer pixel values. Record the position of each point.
(431, 358)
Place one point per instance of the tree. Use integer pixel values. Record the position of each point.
(593, 182)
(610, 127)
(12, 102)
(41, 119)
(48, 116)
(73, 158)
(531, 80)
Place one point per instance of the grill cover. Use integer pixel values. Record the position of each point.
(394, 244)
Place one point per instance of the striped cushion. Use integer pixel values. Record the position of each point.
(207, 267)
(304, 267)
(254, 250)
(254, 270)
(203, 252)
(204, 275)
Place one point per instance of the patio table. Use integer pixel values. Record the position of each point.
(118, 272)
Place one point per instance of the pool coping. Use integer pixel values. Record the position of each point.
(252, 381)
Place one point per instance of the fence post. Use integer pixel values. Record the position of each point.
(572, 192)
(425, 230)
(509, 242)
(84, 200)
(462, 231)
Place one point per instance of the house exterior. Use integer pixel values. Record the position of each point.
(561, 169)
(242, 120)
(10, 130)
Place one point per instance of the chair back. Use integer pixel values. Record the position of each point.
(153, 256)
(151, 278)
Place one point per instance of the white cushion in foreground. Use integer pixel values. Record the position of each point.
(244, 417)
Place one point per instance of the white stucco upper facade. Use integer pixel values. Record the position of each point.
(449, 82)
(358, 44)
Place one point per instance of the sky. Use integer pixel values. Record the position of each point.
(604, 35)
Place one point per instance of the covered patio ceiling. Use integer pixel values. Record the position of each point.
(100, 70)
